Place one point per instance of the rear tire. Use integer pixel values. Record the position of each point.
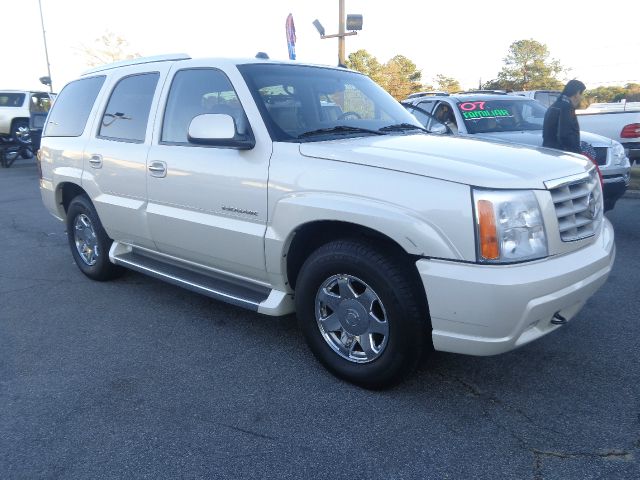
(20, 133)
(362, 312)
(89, 242)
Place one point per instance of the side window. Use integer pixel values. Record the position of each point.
(422, 117)
(553, 96)
(11, 99)
(426, 106)
(127, 112)
(40, 103)
(543, 98)
(72, 107)
(444, 114)
(195, 92)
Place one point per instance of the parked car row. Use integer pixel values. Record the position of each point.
(518, 120)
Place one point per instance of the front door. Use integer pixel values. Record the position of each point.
(207, 205)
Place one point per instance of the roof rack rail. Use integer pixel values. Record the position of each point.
(432, 93)
(489, 92)
(139, 61)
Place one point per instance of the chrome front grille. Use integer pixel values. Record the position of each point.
(578, 204)
(601, 155)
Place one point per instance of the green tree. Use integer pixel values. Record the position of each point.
(528, 67)
(630, 92)
(399, 76)
(108, 48)
(447, 84)
(363, 62)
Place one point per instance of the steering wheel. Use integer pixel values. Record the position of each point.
(349, 114)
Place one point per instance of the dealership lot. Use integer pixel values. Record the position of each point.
(136, 378)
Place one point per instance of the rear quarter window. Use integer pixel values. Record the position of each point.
(10, 99)
(68, 117)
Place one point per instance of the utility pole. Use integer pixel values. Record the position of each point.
(46, 52)
(353, 23)
(341, 59)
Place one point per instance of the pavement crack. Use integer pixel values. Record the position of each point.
(607, 454)
(477, 393)
(249, 432)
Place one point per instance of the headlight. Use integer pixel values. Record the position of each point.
(509, 226)
(617, 151)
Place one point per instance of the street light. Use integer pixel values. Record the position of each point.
(46, 53)
(354, 22)
(319, 27)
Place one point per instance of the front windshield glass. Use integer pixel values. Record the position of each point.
(502, 115)
(302, 103)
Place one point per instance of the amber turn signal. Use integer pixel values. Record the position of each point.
(487, 229)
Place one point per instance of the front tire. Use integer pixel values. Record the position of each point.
(362, 312)
(89, 242)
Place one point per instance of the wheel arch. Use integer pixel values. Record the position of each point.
(312, 235)
(65, 193)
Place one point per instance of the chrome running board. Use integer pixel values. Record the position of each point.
(214, 285)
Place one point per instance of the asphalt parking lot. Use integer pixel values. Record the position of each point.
(139, 379)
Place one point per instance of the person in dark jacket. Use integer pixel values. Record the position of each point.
(560, 128)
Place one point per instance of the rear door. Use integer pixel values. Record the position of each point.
(207, 205)
(116, 154)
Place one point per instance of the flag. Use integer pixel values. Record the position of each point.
(291, 37)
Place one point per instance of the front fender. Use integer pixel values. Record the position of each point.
(415, 233)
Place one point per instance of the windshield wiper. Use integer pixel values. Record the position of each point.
(338, 129)
(400, 127)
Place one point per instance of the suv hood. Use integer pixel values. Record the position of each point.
(456, 159)
(534, 138)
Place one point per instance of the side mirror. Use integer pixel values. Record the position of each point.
(218, 129)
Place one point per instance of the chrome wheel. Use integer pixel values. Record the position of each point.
(22, 134)
(351, 318)
(86, 240)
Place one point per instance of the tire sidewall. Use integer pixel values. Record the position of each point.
(103, 268)
(404, 342)
(14, 132)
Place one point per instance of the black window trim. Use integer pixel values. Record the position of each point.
(187, 143)
(106, 104)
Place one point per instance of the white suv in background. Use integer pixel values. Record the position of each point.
(282, 187)
(16, 108)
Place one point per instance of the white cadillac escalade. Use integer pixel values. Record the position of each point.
(283, 187)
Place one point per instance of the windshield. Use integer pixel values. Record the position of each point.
(301, 103)
(502, 115)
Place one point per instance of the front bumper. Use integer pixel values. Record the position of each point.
(486, 310)
(614, 188)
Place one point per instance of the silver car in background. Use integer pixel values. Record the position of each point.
(514, 119)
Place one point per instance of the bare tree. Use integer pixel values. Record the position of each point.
(108, 48)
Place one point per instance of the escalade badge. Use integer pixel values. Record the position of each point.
(242, 211)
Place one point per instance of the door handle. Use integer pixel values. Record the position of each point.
(95, 160)
(158, 169)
